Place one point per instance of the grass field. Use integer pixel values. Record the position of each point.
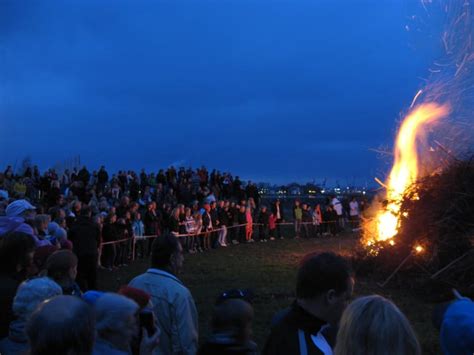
(269, 269)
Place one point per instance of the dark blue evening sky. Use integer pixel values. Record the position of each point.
(270, 90)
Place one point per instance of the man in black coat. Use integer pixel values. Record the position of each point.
(85, 237)
(324, 287)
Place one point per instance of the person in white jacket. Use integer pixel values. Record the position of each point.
(173, 304)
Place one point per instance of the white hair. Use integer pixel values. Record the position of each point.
(112, 312)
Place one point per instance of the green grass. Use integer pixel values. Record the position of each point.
(270, 270)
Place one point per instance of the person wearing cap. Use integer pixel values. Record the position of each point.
(19, 215)
(21, 208)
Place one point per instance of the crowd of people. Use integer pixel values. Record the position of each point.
(56, 230)
(121, 213)
(45, 312)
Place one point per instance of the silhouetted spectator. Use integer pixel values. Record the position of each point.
(62, 325)
(374, 325)
(16, 260)
(323, 288)
(231, 330)
(85, 237)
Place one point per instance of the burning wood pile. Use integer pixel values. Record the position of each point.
(435, 231)
(421, 228)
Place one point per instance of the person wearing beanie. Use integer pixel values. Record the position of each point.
(20, 208)
(141, 297)
(29, 295)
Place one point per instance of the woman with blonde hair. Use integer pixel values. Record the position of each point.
(373, 325)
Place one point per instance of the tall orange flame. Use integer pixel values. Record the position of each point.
(405, 167)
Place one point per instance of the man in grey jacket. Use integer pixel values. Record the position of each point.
(173, 304)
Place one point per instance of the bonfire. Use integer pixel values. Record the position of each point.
(423, 222)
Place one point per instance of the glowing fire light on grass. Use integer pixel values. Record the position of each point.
(405, 168)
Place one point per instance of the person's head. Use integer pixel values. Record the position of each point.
(264, 209)
(76, 207)
(304, 206)
(221, 203)
(116, 319)
(175, 213)
(111, 218)
(187, 212)
(61, 266)
(61, 325)
(373, 325)
(233, 317)
(324, 285)
(297, 203)
(31, 293)
(242, 209)
(457, 327)
(86, 212)
(207, 207)
(167, 253)
(16, 253)
(137, 216)
(125, 201)
(41, 222)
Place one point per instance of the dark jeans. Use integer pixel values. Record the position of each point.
(87, 272)
(262, 232)
(108, 255)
